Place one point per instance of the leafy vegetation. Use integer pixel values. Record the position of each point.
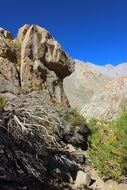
(76, 130)
(16, 48)
(108, 147)
(74, 118)
(3, 102)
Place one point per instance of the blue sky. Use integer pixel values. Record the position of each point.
(89, 30)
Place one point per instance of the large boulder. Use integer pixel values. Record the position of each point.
(35, 61)
(82, 179)
(44, 63)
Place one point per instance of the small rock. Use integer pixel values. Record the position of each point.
(71, 148)
(77, 136)
(82, 178)
(79, 156)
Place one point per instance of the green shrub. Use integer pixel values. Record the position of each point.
(16, 48)
(74, 118)
(3, 102)
(108, 147)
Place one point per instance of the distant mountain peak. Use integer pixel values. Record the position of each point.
(109, 65)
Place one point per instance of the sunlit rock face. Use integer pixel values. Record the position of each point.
(9, 80)
(98, 91)
(44, 63)
(33, 61)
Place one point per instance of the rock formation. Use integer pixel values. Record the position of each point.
(9, 80)
(44, 63)
(35, 61)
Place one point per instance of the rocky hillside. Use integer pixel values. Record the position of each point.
(98, 91)
(43, 142)
(39, 137)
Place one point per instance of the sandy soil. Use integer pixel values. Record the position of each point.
(99, 184)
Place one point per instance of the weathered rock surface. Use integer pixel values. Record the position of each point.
(44, 63)
(82, 84)
(98, 91)
(9, 79)
(22, 32)
(5, 50)
(4, 33)
(36, 61)
(82, 179)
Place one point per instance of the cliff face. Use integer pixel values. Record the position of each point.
(33, 61)
(9, 80)
(98, 91)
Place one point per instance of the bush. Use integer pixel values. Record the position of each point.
(108, 147)
(76, 130)
(16, 48)
(74, 118)
(3, 102)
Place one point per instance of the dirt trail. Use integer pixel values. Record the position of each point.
(99, 184)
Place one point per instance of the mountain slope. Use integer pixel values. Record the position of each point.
(98, 91)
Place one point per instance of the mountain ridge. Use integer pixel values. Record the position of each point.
(108, 69)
